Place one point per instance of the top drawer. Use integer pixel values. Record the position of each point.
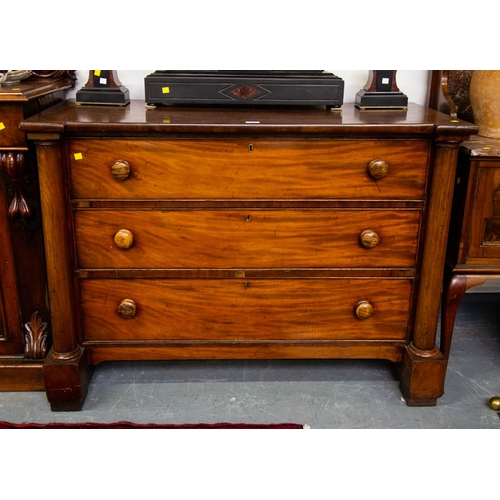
(247, 169)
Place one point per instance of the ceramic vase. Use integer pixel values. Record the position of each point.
(485, 101)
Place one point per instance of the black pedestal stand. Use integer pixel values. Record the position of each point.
(103, 87)
(381, 92)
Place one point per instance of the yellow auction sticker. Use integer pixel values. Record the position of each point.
(78, 156)
(2, 126)
(165, 90)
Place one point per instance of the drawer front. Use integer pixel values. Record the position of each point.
(238, 310)
(228, 239)
(247, 169)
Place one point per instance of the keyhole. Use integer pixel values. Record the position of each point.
(250, 148)
(247, 285)
(248, 218)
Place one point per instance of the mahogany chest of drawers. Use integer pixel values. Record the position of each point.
(199, 233)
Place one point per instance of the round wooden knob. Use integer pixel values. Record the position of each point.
(120, 170)
(127, 309)
(378, 169)
(364, 310)
(495, 403)
(124, 239)
(369, 238)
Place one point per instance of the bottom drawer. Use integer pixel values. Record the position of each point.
(239, 310)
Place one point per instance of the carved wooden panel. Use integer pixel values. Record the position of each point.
(485, 215)
(10, 328)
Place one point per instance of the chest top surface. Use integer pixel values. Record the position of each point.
(137, 119)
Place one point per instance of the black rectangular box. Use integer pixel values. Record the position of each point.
(244, 88)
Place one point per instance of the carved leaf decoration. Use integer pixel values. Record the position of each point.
(15, 167)
(10, 163)
(19, 206)
(35, 338)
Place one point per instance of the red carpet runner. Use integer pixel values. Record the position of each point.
(131, 425)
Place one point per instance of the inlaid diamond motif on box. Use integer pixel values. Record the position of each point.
(244, 91)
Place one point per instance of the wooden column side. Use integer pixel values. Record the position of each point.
(434, 250)
(58, 249)
(9, 293)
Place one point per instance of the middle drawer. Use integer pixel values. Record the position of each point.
(251, 239)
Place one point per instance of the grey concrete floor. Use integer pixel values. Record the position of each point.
(337, 394)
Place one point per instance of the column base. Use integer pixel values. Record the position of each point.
(422, 378)
(67, 381)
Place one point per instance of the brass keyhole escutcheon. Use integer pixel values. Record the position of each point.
(250, 148)
(127, 309)
(369, 238)
(248, 217)
(378, 169)
(124, 239)
(364, 310)
(120, 170)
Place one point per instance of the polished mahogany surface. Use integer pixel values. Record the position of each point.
(71, 118)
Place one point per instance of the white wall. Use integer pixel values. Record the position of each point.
(414, 83)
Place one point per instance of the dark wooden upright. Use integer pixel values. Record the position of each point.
(474, 245)
(24, 316)
(201, 233)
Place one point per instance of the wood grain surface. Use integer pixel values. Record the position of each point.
(288, 309)
(246, 238)
(247, 169)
